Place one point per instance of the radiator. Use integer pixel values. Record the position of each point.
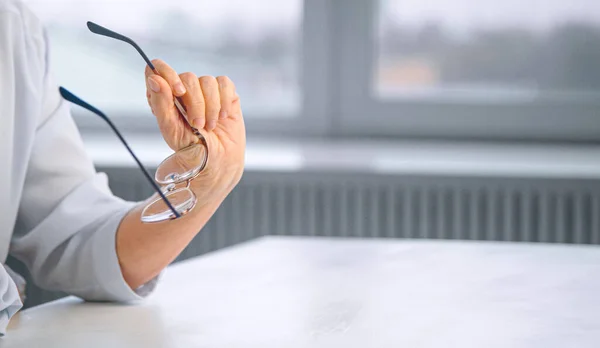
(388, 206)
(380, 206)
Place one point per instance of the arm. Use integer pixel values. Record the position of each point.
(212, 105)
(75, 236)
(144, 250)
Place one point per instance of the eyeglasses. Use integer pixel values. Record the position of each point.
(176, 172)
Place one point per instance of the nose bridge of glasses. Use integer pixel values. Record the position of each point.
(176, 186)
(174, 178)
(168, 188)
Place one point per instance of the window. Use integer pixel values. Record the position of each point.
(472, 68)
(397, 68)
(257, 43)
(485, 50)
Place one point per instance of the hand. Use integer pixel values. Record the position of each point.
(213, 107)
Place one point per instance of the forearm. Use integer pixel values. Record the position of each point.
(144, 250)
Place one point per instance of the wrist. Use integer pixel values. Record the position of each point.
(208, 193)
(215, 183)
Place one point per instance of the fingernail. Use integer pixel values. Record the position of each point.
(211, 125)
(223, 114)
(154, 86)
(179, 89)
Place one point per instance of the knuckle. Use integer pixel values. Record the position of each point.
(210, 89)
(224, 81)
(227, 86)
(208, 81)
(188, 78)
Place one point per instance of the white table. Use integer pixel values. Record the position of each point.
(299, 292)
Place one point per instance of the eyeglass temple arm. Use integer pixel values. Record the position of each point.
(100, 30)
(76, 100)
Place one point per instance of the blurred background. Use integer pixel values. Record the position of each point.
(452, 119)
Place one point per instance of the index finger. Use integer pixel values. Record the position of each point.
(170, 75)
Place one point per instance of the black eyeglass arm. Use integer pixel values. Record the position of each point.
(76, 100)
(100, 30)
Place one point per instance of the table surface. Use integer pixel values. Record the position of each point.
(303, 292)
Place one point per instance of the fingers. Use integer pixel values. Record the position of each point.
(169, 75)
(160, 98)
(228, 96)
(206, 99)
(194, 100)
(210, 89)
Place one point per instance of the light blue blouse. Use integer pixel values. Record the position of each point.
(57, 214)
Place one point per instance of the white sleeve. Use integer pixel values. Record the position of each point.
(10, 301)
(68, 217)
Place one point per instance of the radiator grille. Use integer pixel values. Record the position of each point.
(375, 206)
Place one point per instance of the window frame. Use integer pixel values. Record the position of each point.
(362, 114)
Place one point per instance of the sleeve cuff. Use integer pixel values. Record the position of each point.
(10, 302)
(106, 264)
